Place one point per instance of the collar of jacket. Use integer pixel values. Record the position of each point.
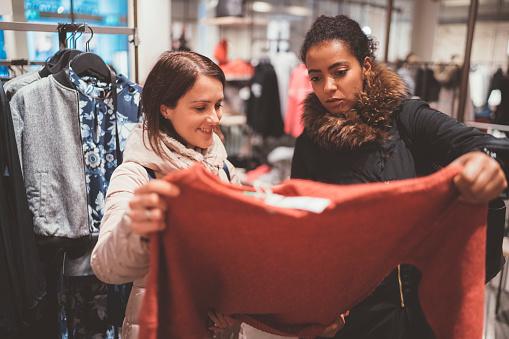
(62, 77)
(383, 92)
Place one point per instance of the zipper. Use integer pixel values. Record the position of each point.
(401, 297)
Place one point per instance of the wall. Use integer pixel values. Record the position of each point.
(154, 18)
(489, 45)
(16, 42)
(426, 15)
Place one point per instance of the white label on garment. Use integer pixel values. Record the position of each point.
(311, 204)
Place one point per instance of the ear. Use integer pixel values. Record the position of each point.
(166, 112)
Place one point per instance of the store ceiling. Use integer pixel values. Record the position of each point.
(452, 11)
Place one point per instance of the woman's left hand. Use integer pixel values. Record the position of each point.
(481, 180)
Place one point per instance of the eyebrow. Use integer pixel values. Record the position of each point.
(334, 65)
(206, 101)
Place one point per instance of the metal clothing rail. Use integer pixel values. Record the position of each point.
(35, 27)
(486, 126)
(21, 62)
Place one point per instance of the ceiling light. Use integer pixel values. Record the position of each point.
(261, 6)
(298, 10)
(367, 30)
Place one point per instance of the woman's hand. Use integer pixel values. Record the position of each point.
(331, 330)
(222, 323)
(148, 206)
(481, 179)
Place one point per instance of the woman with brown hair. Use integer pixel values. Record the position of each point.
(181, 100)
(360, 127)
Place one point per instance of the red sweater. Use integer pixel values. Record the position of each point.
(294, 271)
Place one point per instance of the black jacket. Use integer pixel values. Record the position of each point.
(263, 108)
(418, 141)
(22, 285)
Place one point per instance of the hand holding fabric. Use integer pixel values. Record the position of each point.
(223, 324)
(148, 206)
(481, 180)
(333, 328)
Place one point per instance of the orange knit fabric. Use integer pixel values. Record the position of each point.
(292, 272)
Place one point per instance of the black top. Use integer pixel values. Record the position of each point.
(263, 108)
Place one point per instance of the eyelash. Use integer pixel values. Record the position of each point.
(202, 109)
(339, 73)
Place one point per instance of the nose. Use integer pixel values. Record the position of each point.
(330, 85)
(214, 117)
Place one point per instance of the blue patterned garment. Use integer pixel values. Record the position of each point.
(99, 123)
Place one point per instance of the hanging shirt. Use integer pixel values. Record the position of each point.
(300, 87)
(101, 116)
(284, 63)
(293, 262)
(263, 109)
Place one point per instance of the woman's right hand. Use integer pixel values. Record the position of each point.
(336, 326)
(148, 206)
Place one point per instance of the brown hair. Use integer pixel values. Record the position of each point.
(171, 77)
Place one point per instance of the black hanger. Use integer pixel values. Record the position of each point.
(59, 61)
(88, 63)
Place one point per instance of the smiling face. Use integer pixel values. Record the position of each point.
(336, 75)
(197, 112)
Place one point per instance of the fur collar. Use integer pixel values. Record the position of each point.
(383, 92)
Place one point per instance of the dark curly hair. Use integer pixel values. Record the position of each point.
(340, 27)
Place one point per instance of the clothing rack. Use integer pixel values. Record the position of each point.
(74, 27)
(21, 62)
(486, 126)
(431, 63)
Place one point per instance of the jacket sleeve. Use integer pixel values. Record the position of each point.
(17, 110)
(299, 163)
(438, 137)
(120, 256)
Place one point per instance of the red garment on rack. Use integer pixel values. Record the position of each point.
(221, 52)
(299, 88)
(295, 271)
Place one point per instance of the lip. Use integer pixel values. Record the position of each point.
(334, 100)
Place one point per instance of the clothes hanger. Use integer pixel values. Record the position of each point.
(63, 62)
(88, 63)
(59, 61)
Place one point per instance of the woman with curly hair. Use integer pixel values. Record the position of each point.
(360, 127)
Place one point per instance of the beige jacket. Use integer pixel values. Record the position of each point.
(119, 255)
